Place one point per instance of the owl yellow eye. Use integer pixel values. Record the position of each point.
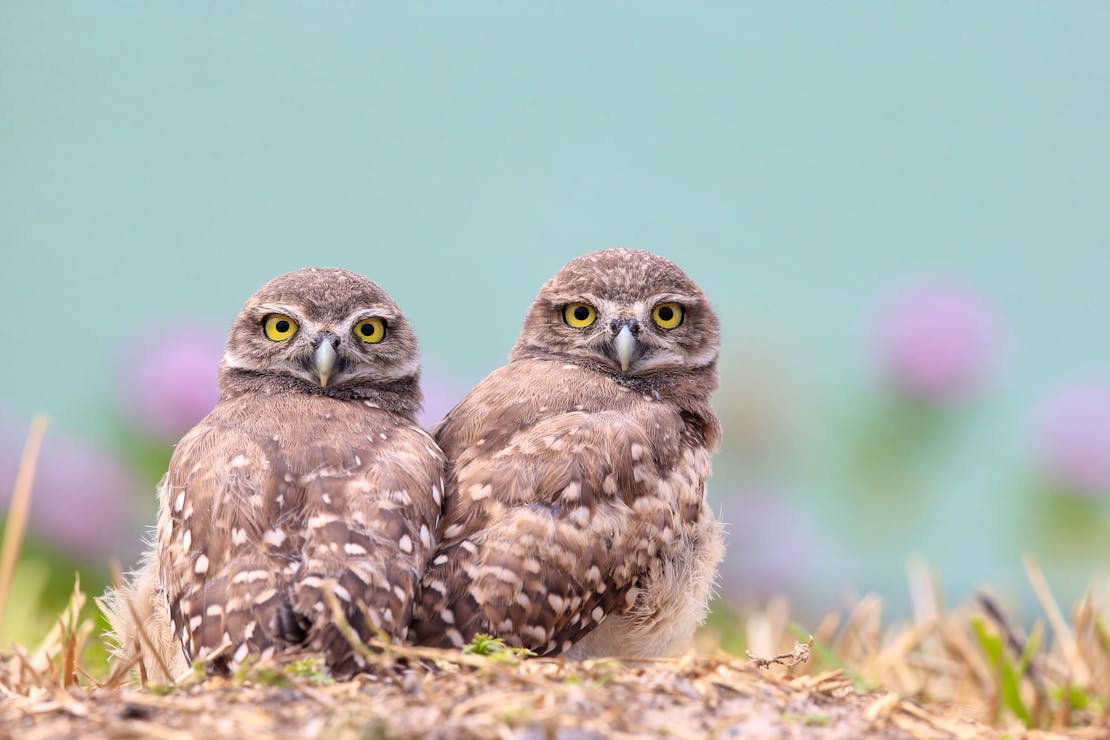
(278, 327)
(579, 315)
(370, 330)
(667, 315)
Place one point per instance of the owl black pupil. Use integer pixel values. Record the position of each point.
(581, 313)
(666, 313)
(367, 330)
(282, 326)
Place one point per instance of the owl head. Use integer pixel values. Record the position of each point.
(625, 311)
(324, 331)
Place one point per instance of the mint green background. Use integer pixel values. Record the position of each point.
(800, 160)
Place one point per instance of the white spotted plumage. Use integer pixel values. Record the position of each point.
(308, 475)
(575, 518)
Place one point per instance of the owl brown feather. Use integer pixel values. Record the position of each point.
(576, 492)
(258, 525)
(309, 474)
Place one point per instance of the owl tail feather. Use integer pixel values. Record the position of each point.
(139, 621)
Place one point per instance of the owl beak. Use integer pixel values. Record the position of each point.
(325, 361)
(625, 345)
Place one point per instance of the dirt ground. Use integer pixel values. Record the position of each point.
(686, 697)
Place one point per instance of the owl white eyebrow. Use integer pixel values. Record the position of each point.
(682, 298)
(561, 300)
(264, 309)
(366, 313)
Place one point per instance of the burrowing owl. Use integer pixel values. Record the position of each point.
(575, 518)
(310, 472)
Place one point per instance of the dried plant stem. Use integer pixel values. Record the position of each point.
(339, 619)
(1076, 667)
(60, 695)
(20, 507)
(800, 654)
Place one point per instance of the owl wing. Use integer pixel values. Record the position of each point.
(550, 522)
(248, 545)
(369, 533)
(222, 568)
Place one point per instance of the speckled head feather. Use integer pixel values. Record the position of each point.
(326, 304)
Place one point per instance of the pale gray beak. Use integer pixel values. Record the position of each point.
(625, 345)
(325, 361)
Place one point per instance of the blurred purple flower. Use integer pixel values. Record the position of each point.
(83, 502)
(439, 397)
(1073, 439)
(170, 383)
(771, 546)
(936, 341)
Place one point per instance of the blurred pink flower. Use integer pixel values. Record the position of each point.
(84, 501)
(1073, 439)
(169, 383)
(771, 545)
(936, 341)
(439, 397)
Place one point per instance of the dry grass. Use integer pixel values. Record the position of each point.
(20, 508)
(452, 694)
(960, 673)
(971, 661)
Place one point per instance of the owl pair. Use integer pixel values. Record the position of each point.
(560, 506)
